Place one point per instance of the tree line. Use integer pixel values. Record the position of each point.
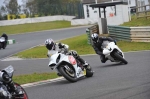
(32, 8)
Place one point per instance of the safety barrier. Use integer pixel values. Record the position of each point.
(119, 32)
(90, 30)
(140, 34)
(134, 34)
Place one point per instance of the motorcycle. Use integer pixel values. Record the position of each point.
(68, 67)
(112, 52)
(3, 42)
(5, 89)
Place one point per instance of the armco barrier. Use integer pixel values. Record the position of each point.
(90, 30)
(135, 34)
(11, 41)
(140, 34)
(119, 32)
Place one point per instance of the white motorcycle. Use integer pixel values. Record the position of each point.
(112, 52)
(2, 43)
(68, 67)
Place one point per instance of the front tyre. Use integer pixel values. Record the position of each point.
(70, 75)
(24, 95)
(120, 58)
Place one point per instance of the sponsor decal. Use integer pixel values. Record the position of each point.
(72, 60)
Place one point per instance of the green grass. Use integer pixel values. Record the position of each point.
(30, 27)
(137, 22)
(80, 44)
(29, 78)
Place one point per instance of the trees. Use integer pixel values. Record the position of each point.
(12, 7)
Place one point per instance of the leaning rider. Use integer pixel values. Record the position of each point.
(54, 47)
(97, 44)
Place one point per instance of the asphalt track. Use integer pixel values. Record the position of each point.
(110, 81)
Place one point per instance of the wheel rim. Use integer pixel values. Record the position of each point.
(70, 73)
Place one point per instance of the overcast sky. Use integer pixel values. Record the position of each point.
(1, 2)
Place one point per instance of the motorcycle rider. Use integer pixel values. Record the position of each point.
(54, 47)
(6, 38)
(4, 77)
(97, 43)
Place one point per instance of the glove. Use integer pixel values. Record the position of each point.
(60, 45)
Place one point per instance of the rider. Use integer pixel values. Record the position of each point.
(54, 47)
(6, 38)
(6, 79)
(97, 43)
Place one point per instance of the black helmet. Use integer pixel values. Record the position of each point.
(49, 43)
(94, 37)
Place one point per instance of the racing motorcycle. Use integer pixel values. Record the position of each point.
(68, 67)
(3, 43)
(5, 92)
(112, 52)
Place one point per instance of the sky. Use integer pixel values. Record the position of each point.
(1, 2)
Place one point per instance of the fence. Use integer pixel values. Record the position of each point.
(119, 32)
(145, 11)
(135, 34)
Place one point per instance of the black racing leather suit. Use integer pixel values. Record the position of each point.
(98, 49)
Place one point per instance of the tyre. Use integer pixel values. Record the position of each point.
(70, 74)
(89, 71)
(24, 96)
(0, 45)
(4, 45)
(120, 58)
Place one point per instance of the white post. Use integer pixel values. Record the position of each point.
(129, 10)
(96, 1)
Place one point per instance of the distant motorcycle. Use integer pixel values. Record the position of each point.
(5, 89)
(3, 42)
(68, 67)
(112, 52)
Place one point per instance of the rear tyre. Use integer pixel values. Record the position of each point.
(70, 76)
(24, 96)
(0, 45)
(89, 71)
(120, 58)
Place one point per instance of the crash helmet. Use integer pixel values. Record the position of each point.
(49, 43)
(94, 37)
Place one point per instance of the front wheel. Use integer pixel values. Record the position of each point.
(120, 58)
(23, 95)
(68, 72)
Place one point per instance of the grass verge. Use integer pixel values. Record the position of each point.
(80, 44)
(29, 78)
(31, 27)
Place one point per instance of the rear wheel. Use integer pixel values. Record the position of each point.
(0, 45)
(89, 71)
(120, 58)
(68, 72)
(22, 96)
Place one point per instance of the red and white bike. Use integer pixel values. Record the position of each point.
(68, 67)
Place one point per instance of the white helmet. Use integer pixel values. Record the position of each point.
(94, 37)
(49, 43)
